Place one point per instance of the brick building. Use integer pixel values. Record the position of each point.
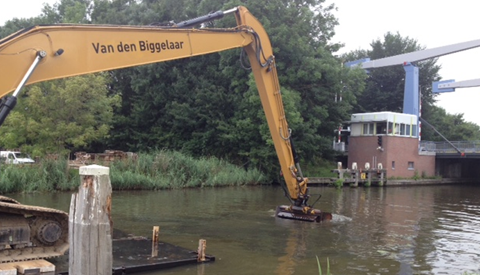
(390, 140)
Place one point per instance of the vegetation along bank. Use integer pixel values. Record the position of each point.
(160, 170)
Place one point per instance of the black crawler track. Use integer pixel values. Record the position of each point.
(35, 216)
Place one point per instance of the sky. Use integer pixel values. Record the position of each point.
(431, 23)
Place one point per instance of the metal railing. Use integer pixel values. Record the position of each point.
(445, 147)
(340, 146)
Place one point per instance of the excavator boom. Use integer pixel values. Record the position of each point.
(81, 49)
(49, 52)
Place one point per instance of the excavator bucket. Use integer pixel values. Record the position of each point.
(302, 213)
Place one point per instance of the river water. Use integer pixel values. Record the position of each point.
(377, 230)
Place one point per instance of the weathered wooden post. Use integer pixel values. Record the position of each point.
(90, 224)
(202, 244)
(155, 239)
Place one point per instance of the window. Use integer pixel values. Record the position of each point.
(368, 128)
(407, 132)
(411, 165)
(414, 130)
(381, 128)
(393, 165)
(402, 129)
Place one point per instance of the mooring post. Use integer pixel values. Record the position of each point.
(369, 178)
(156, 232)
(341, 173)
(202, 244)
(356, 176)
(90, 223)
(381, 182)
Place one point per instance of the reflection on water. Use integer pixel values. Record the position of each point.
(393, 230)
(456, 238)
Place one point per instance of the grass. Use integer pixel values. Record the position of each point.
(159, 170)
(319, 168)
(339, 183)
(320, 267)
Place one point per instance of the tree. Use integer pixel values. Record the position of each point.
(57, 116)
(385, 86)
(60, 115)
(451, 126)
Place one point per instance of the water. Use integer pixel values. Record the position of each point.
(392, 230)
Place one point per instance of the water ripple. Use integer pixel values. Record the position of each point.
(457, 240)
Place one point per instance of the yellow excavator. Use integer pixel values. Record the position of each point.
(49, 52)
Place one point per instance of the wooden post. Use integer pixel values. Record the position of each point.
(202, 244)
(381, 182)
(90, 223)
(156, 231)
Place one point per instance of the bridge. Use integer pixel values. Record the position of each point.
(452, 149)
(454, 159)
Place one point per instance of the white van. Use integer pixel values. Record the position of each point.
(15, 157)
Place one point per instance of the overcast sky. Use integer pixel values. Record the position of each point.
(431, 23)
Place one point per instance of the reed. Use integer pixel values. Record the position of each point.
(48, 175)
(320, 267)
(159, 170)
(172, 169)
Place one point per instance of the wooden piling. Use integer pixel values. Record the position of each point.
(155, 235)
(202, 244)
(90, 224)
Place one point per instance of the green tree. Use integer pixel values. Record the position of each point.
(61, 115)
(451, 126)
(58, 116)
(385, 86)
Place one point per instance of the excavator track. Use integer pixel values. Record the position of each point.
(31, 232)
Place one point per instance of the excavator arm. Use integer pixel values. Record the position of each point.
(49, 52)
